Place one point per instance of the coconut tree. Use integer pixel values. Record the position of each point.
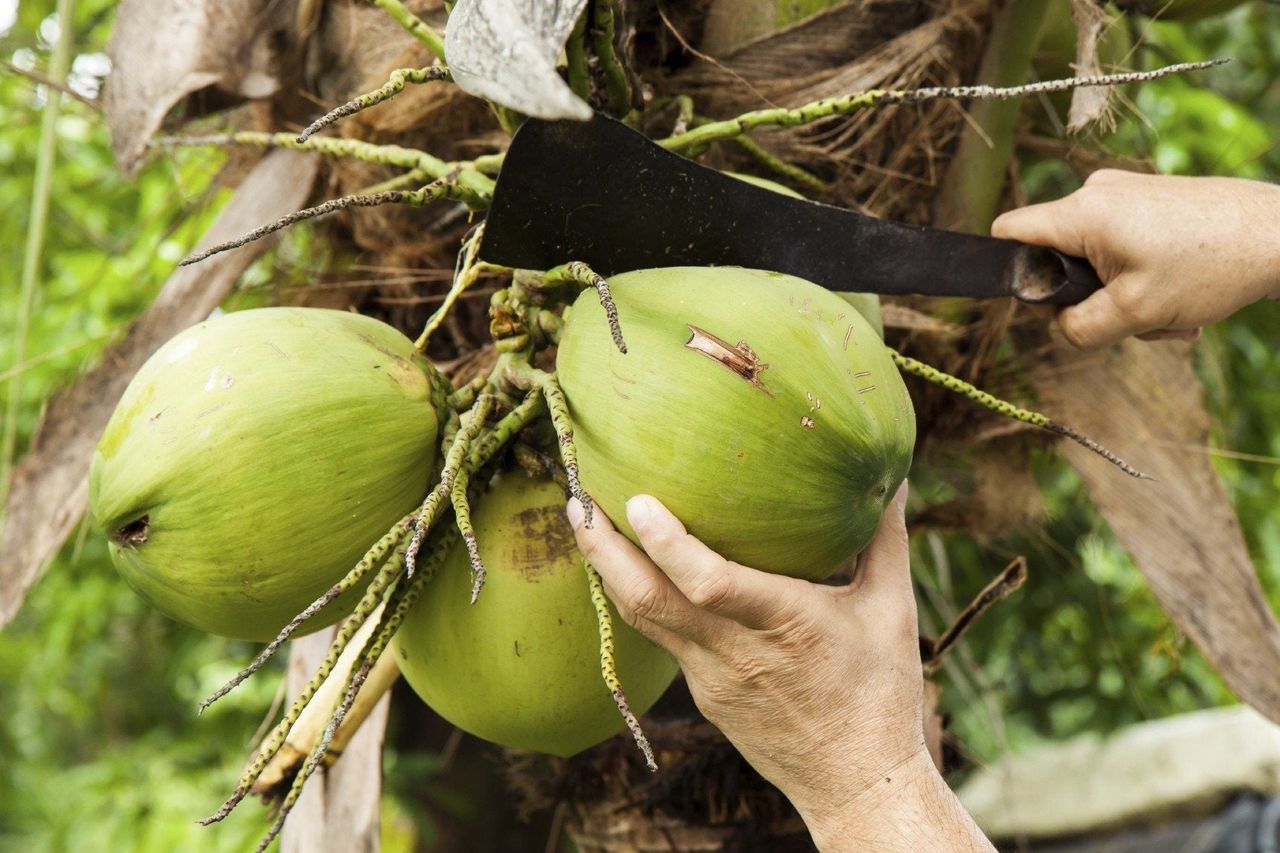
(413, 133)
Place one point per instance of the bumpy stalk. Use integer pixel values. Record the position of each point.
(580, 273)
(396, 535)
(395, 85)
(399, 601)
(468, 178)
(442, 188)
(271, 745)
(462, 514)
(609, 667)
(827, 107)
(454, 460)
(558, 408)
(311, 725)
(466, 273)
(1009, 410)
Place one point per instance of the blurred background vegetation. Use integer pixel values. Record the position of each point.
(100, 747)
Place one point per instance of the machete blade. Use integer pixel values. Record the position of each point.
(599, 192)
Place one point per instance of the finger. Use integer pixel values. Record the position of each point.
(1171, 335)
(884, 568)
(708, 581)
(1098, 322)
(644, 596)
(1053, 223)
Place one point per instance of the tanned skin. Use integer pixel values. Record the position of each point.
(819, 687)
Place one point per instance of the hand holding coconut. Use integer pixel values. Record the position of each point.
(819, 687)
(1176, 253)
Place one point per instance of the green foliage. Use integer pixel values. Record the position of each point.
(1084, 646)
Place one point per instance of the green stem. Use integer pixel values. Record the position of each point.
(615, 76)
(41, 192)
(576, 53)
(1003, 407)
(414, 25)
(385, 155)
(609, 666)
(977, 174)
(395, 85)
(844, 105)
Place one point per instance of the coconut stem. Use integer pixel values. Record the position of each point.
(1009, 410)
(466, 273)
(395, 85)
(399, 600)
(558, 408)
(311, 724)
(414, 26)
(787, 170)
(271, 745)
(455, 458)
(609, 667)
(355, 149)
(445, 187)
(615, 75)
(395, 536)
(580, 273)
(575, 51)
(462, 516)
(827, 107)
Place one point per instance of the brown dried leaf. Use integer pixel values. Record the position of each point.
(163, 50)
(1089, 106)
(1143, 401)
(49, 492)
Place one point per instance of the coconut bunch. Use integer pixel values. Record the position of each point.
(276, 470)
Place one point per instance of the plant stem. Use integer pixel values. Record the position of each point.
(43, 188)
(413, 25)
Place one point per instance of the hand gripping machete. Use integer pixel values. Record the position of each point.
(599, 192)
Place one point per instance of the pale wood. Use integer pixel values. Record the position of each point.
(340, 808)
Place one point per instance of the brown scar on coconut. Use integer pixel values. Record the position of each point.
(741, 359)
(134, 533)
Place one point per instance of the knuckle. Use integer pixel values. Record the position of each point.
(712, 590)
(642, 600)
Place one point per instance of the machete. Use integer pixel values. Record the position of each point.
(599, 192)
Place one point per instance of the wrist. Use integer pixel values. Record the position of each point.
(907, 807)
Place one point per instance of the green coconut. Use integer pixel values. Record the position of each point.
(866, 304)
(255, 457)
(521, 667)
(762, 409)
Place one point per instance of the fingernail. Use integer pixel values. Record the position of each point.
(640, 512)
(574, 511)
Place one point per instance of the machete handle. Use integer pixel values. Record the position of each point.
(1044, 276)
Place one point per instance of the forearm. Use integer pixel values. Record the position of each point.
(910, 809)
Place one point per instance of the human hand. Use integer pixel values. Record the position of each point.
(819, 687)
(1175, 253)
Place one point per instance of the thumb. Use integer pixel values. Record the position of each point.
(1098, 321)
(885, 565)
(1054, 223)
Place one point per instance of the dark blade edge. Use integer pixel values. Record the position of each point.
(604, 194)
